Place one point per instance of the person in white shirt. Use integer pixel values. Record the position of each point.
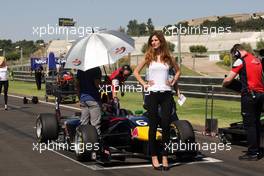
(158, 60)
(4, 79)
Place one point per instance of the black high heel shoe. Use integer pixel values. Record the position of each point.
(165, 168)
(157, 168)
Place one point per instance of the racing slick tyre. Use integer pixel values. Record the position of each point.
(86, 143)
(184, 131)
(182, 134)
(46, 127)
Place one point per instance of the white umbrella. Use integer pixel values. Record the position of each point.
(98, 49)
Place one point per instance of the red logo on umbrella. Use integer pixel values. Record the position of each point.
(76, 62)
(120, 50)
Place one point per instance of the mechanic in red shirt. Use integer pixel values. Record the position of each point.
(250, 71)
(114, 84)
(118, 78)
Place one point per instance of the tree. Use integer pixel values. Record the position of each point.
(150, 26)
(183, 24)
(6, 45)
(193, 49)
(142, 29)
(28, 46)
(260, 44)
(12, 55)
(225, 22)
(208, 23)
(132, 28)
(250, 25)
(198, 49)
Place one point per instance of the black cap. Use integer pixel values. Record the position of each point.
(126, 67)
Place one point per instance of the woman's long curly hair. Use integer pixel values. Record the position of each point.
(151, 54)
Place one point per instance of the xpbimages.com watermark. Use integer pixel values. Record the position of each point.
(209, 147)
(79, 31)
(50, 146)
(195, 30)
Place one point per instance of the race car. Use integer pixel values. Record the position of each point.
(236, 133)
(122, 136)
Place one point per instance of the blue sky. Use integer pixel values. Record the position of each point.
(18, 17)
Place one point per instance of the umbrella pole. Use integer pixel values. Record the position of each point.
(104, 70)
(109, 63)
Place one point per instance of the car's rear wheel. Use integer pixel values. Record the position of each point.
(46, 127)
(86, 143)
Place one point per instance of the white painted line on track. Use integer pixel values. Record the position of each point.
(97, 167)
(48, 103)
(205, 160)
(75, 161)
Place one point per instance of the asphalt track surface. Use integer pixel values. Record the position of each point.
(17, 157)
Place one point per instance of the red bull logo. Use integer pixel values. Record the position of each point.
(120, 50)
(76, 62)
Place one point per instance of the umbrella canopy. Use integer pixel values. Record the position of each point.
(99, 49)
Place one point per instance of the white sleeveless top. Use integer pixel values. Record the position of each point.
(3, 74)
(159, 73)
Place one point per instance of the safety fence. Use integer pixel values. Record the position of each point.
(191, 86)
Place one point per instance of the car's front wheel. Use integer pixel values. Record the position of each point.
(182, 139)
(46, 127)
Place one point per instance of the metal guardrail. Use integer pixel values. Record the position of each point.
(191, 86)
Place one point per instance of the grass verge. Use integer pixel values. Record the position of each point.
(193, 110)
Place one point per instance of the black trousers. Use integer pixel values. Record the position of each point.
(38, 77)
(154, 101)
(5, 84)
(251, 107)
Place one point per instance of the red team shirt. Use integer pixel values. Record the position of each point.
(251, 74)
(116, 75)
